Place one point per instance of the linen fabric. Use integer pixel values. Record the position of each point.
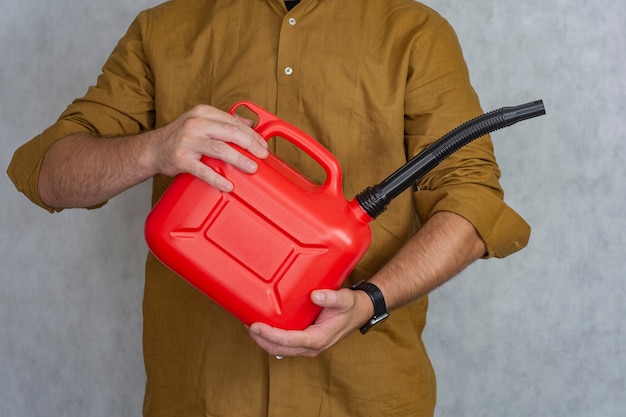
(375, 82)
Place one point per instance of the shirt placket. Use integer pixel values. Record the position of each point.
(282, 375)
(290, 58)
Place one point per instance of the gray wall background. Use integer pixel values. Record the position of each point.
(538, 334)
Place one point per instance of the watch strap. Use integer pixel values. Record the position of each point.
(380, 308)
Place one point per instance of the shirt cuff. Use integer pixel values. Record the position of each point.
(502, 229)
(26, 163)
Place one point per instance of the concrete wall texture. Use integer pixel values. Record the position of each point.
(539, 333)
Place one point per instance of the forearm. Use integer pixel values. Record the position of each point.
(82, 170)
(442, 248)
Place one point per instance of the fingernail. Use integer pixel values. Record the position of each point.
(251, 166)
(319, 297)
(226, 186)
(261, 152)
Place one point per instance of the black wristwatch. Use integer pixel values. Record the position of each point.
(380, 309)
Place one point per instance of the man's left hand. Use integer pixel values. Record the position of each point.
(343, 312)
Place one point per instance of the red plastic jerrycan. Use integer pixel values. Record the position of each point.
(261, 249)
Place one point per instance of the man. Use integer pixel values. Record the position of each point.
(375, 82)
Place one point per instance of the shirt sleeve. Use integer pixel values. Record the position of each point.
(121, 103)
(439, 98)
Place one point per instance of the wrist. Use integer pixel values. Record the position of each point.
(147, 145)
(365, 309)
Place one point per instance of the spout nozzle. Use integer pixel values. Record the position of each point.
(526, 111)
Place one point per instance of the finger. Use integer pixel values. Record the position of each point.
(268, 341)
(198, 169)
(214, 140)
(332, 299)
(274, 335)
(232, 128)
(208, 137)
(221, 150)
(289, 341)
(247, 138)
(245, 121)
(260, 140)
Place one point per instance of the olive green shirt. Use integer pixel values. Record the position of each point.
(375, 82)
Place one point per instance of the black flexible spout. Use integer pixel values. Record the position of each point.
(374, 200)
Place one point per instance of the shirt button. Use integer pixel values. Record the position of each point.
(288, 71)
(292, 21)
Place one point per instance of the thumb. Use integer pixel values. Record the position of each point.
(330, 299)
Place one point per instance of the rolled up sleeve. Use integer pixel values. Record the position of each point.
(440, 98)
(121, 103)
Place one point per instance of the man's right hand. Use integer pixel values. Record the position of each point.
(205, 130)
